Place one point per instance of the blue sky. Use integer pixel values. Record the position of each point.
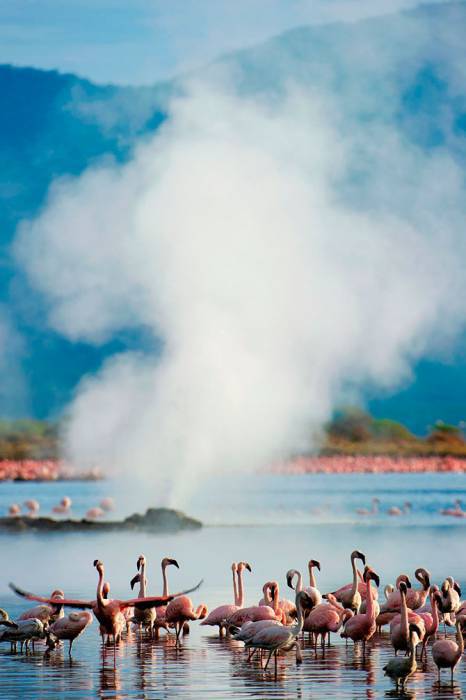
(142, 41)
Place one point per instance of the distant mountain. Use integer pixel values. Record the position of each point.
(405, 68)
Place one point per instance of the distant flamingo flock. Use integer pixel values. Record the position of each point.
(418, 618)
(31, 508)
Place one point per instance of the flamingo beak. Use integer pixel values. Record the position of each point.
(96, 561)
(408, 583)
(457, 588)
(289, 580)
(138, 564)
(247, 566)
(375, 577)
(135, 580)
(316, 564)
(362, 557)
(173, 562)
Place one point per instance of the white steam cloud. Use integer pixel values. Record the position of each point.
(229, 235)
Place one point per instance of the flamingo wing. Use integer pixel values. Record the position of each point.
(69, 602)
(155, 601)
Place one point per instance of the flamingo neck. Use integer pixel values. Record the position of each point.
(142, 581)
(354, 587)
(299, 584)
(404, 614)
(312, 578)
(297, 628)
(100, 586)
(276, 599)
(240, 588)
(165, 580)
(459, 639)
(435, 619)
(235, 589)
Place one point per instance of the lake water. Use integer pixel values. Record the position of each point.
(275, 523)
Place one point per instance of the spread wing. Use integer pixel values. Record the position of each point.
(155, 601)
(69, 602)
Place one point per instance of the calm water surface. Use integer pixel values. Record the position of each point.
(275, 523)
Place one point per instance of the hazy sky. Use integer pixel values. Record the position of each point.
(142, 41)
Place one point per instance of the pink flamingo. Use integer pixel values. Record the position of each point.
(94, 513)
(282, 606)
(71, 626)
(219, 615)
(395, 510)
(312, 590)
(46, 613)
(160, 621)
(360, 628)
(107, 504)
(374, 508)
(181, 610)
(447, 653)
(325, 618)
(143, 618)
(350, 597)
(14, 510)
(450, 598)
(415, 597)
(33, 507)
(399, 626)
(63, 508)
(456, 511)
(275, 638)
(430, 619)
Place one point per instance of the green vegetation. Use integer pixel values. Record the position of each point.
(353, 431)
(28, 439)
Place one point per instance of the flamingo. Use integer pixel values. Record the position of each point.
(385, 617)
(325, 618)
(160, 622)
(14, 510)
(276, 638)
(312, 590)
(143, 618)
(94, 513)
(456, 511)
(71, 626)
(63, 508)
(400, 669)
(46, 613)
(351, 597)
(24, 631)
(221, 613)
(395, 510)
(415, 597)
(33, 507)
(399, 626)
(282, 606)
(374, 508)
(361, 627)
(107, 504)
(181, 610)
(450, 598)
(447, 653)
(430, 619)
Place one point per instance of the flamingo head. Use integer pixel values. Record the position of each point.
(166, 561)
(98, 565)
(358, 555)
(403, 578)
(314, 563)
(290, 576)
(65, 502)
(403, 588)
(423, 576)
(370, 575)
(57, 593)
(234, 567)
(140, 562)
(243, 565)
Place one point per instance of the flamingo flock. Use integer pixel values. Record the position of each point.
(31, 508)
(274, 625)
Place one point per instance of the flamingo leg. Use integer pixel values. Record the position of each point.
(268, 659)
(71, 644)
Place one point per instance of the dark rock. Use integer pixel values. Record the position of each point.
(154, 520)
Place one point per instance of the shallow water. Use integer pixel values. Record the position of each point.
(270, 521)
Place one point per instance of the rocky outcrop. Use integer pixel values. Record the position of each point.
(154, 520)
